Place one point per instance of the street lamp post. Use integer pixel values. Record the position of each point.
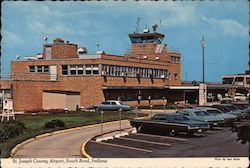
(203, 59)
(102, 122)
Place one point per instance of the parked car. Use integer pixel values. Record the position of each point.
(112, 105)
(239, 96)
(170, 123)
(230, 109)
(244, 106)
(201, 115)
(229, 118)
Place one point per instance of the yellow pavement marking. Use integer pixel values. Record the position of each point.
(150, 142)
(83, 151)
(164, 137)
(122, 146)
(18, 146)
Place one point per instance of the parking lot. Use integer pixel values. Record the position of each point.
(217, 142)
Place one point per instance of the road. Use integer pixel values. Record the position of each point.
(64, 145)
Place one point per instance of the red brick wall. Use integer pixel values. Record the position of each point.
(5, 84)
(62, 51)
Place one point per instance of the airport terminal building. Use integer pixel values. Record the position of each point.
(66, 76)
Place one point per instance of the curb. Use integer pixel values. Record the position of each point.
(20, 145)
(86, 155)
(83, 151)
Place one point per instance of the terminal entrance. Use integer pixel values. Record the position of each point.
(191, 97)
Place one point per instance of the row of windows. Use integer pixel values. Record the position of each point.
(80, 69)
(39, 69)
(176, 60)
(112, 70)
(106, 70)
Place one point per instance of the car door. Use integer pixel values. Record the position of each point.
(107, 106)
(163, 123)
(114, 106)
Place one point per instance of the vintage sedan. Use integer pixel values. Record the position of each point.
(201, 115)
(229, 118)
(112, 105)
(171, 124)
(230, 109)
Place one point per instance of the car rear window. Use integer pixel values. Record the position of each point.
(214, 111)
(201, 113)
(180, 118)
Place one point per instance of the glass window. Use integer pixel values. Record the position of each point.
(80, 69)
(73, 69)
(247, 80)
(180, 118)
(32, 69)
(46, 69)
(39, 68)
(214, 111)
(239, 79)
(95, 69)
(201, 113)
(228, 80)
(64, 69)
(88, 69)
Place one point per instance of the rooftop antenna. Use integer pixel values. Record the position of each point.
(137, 24)
(160, 26)
(18, 57)
(154, 26)
(98, 46)
(46, 39)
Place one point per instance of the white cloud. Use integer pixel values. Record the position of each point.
(11, 38)
(55, 28)
(228, 26)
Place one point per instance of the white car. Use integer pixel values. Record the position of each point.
(111, 105)
(239, 96)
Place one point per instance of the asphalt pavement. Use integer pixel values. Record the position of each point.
(64, 145)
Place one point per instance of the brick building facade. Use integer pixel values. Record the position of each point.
(69, 77)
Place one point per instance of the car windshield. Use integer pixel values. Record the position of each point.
(232, 108)
(224, 109)
(180, 118)
(201, 113)
(213, 111)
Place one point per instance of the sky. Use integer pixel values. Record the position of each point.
(224, 24)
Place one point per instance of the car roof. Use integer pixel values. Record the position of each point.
(206, 108)
(191, 110)
(223, 105)
(168, 114)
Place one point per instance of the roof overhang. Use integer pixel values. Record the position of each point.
(131, 87)
(182, 87)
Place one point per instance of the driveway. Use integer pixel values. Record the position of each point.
(64, 145)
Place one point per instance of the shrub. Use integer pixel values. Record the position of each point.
(54, 124)
(10, 129)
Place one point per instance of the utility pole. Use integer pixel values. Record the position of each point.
(203, 59)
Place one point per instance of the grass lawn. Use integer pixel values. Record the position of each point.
(35, 124)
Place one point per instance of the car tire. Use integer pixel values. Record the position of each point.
(172, 133)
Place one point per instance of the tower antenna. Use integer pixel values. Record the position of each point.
(137, 24)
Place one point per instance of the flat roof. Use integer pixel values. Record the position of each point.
(132, 87)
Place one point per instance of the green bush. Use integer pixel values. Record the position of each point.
(10, 129)
(54, 124)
